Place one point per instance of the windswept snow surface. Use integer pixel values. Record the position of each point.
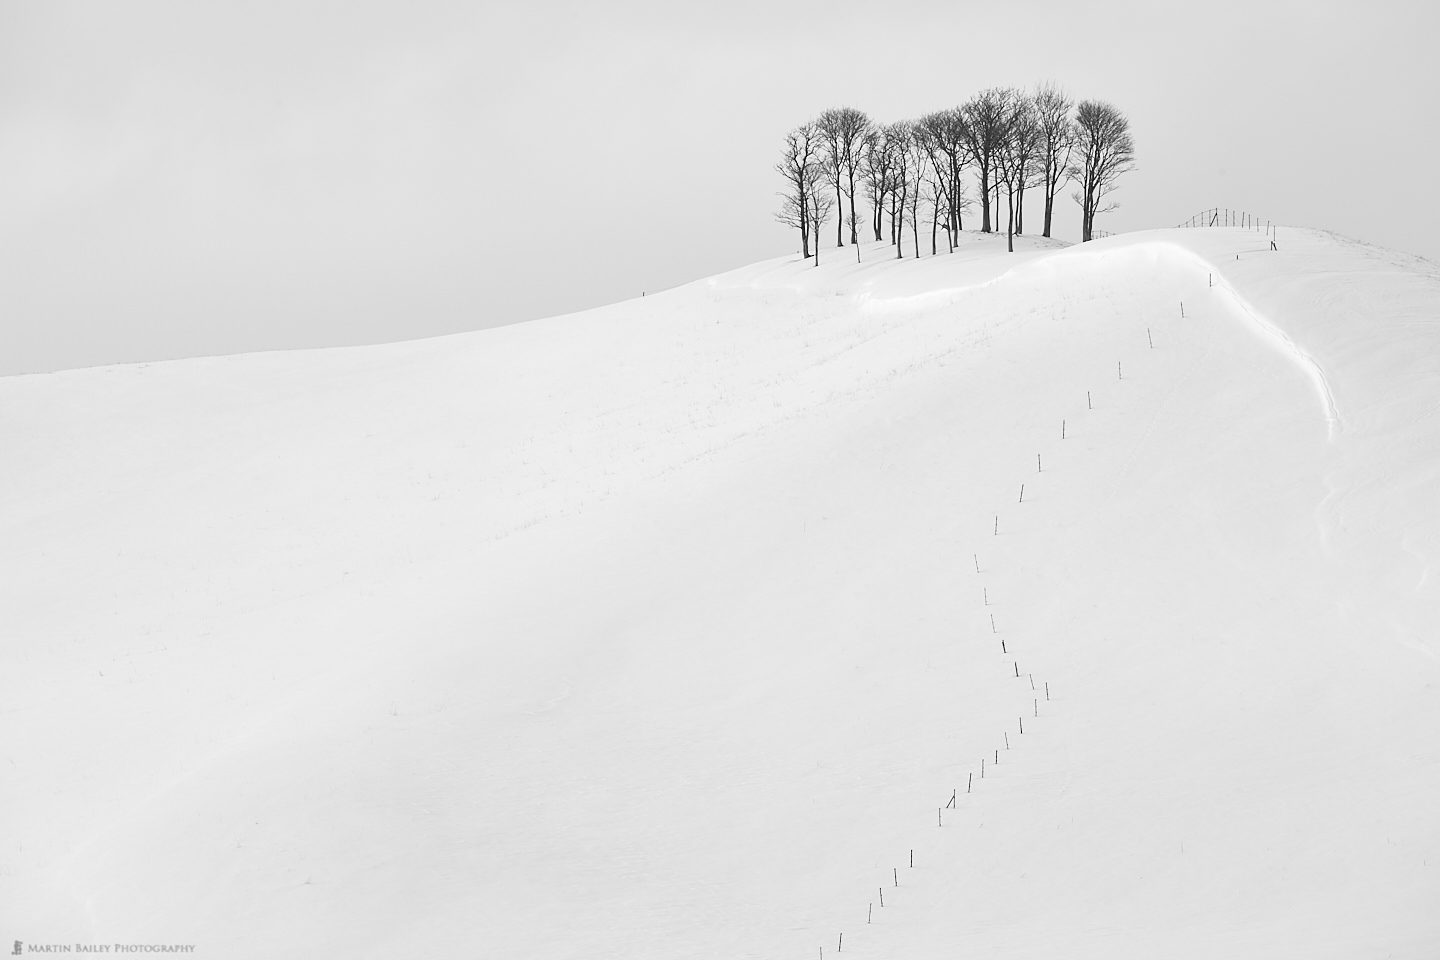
(668, 630)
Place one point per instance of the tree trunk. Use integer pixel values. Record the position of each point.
(839, 213)
(1020, 210)
(1049, 208)
(934, 226)
(1089, 201)
(984, 200)
(897, 225)
(1010, 220)
(853, 238)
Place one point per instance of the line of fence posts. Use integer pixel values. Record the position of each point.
(1227, 217)
(1210, 217)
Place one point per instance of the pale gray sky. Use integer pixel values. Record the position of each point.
(182, 178)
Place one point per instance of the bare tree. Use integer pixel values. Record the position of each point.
(800, 166)
(877, 170)
(1104, 150)
(1030, 176)
(945, 138)
(931, 160)
(844, 130)
(904, 168)
(1057, 138)
(1015, 159)
(985, 120)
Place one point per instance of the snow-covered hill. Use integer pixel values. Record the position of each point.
(674, 629)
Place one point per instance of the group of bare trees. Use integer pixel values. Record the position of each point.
(1002, 141)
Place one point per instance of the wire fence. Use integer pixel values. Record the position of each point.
(1216, 217)
(1226, 217)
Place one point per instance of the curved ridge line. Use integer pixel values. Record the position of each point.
(1309, 364)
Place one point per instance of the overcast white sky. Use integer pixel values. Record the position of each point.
(182, 178)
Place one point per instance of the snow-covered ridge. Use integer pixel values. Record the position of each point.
(672, 628)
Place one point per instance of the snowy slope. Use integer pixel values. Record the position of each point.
(670, 629)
